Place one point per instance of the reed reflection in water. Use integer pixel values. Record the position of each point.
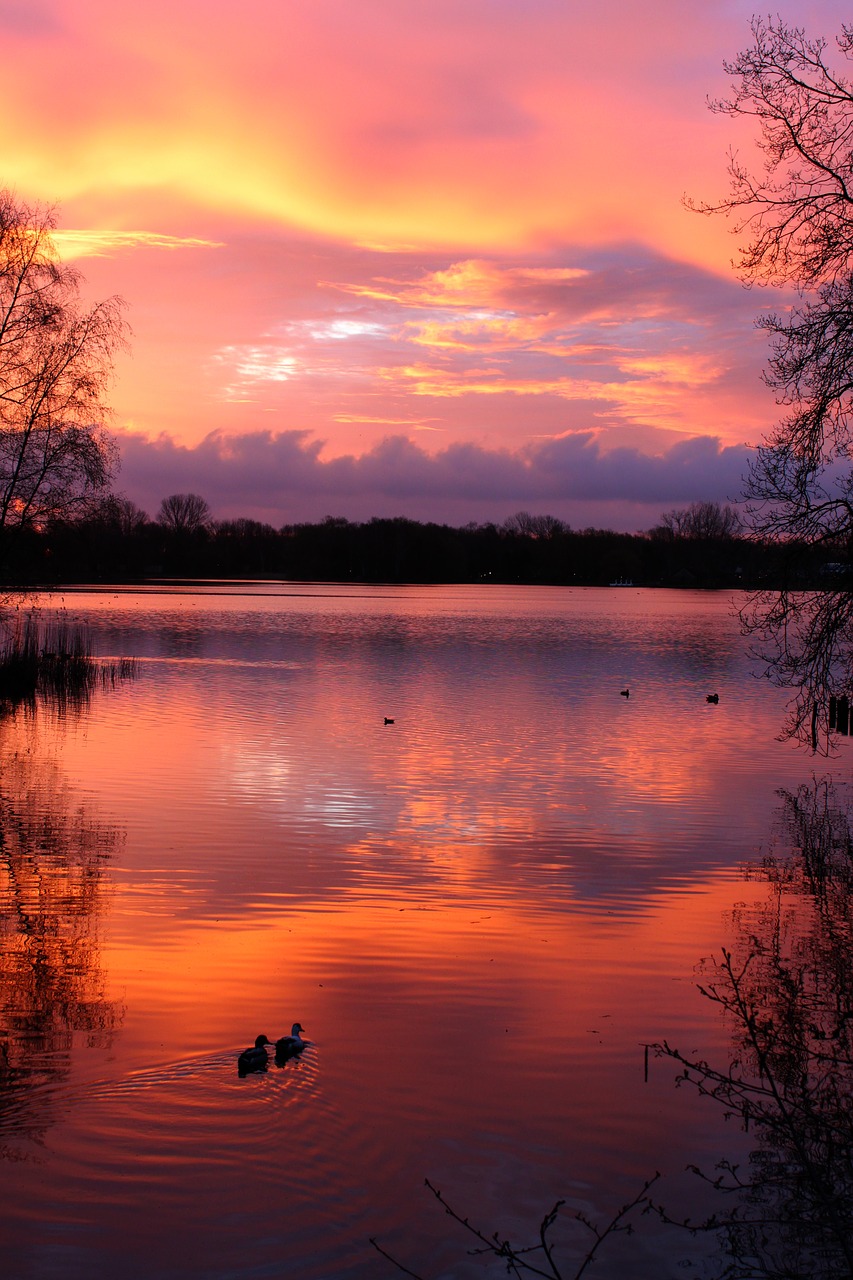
(480, 913)
(53, 856)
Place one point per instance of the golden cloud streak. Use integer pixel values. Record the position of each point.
(415, 424)
(100, 244)
(643, 401)
(471, 283)
(683, 370)
(474, 333)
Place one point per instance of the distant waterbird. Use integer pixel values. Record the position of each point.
(254, 1058)
(712, 697)
(388, 721)
(625, 693)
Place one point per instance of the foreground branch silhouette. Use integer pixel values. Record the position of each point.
(785, 989)
(788, 997)
(538, 1259)
(796, 215)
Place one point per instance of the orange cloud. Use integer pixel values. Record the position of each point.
(467, 283)
(654, 401)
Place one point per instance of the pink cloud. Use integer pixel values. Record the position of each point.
(457, 220)
(248, 334)
(282, 478)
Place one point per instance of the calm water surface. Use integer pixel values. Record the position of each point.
(480, 914)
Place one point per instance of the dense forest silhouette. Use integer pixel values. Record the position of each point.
(699, 546)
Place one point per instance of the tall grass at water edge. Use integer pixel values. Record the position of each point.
(54, 661)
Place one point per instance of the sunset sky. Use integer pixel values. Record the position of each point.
(405, 257)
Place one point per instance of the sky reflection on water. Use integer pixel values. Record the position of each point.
(480, 913)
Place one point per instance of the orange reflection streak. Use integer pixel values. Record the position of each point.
(522, 733)
(286, 860)
(481, 914)
(583, 993)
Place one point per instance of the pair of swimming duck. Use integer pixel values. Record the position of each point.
(285, 1047)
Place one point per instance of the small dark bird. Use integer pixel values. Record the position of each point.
(712, 697)
(387, 721)
(255, 1058)
(625, 693)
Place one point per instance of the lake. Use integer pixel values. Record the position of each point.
(481, 913)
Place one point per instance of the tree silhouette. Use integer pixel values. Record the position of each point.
(797, 219)
(55, 366)
(712, 521)
(184, 513)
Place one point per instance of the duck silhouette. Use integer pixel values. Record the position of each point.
(288, 1046)
(712, 697)
(625, 693)
(254, 1058)
(388, 721)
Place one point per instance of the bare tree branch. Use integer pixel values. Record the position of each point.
(56, 457)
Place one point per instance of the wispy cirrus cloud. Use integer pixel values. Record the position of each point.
(473, 282)
(620, 338)
(86, 243)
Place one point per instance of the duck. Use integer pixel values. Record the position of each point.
(625, 693)
(255, 1057)
(287, 1046)
(712, 697)
(388, 720)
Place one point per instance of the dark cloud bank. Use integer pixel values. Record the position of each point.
(281, 478)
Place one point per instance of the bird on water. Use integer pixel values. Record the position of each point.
(287, 1046)
(712, 697)
(625, 693)
(255, 1057)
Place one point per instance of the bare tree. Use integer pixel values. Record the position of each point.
(702, 520)
(122, 515)
(797, 212)
(797, 217)
(184, 513)
(56, 361)
(532, 526)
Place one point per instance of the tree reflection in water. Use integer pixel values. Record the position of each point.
(52, 987)
(787, 987)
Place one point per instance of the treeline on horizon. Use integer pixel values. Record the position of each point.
(702, 545)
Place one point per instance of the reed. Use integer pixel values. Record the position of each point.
(53, 661)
